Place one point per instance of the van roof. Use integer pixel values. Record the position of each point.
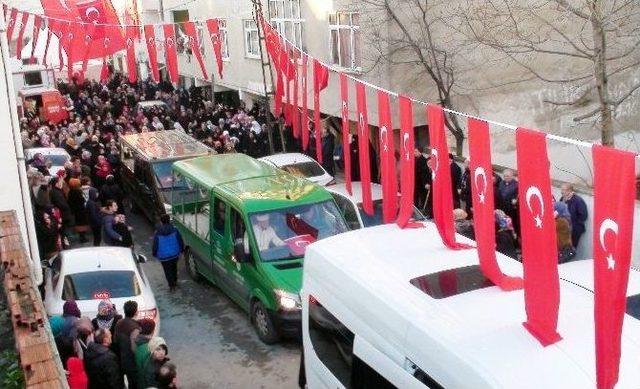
(255, 184)
(479, 332)
(165, 145)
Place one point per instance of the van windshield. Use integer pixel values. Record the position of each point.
(285, 233)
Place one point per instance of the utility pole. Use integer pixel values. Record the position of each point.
(257, 10)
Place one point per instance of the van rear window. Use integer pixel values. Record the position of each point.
(452, 282)
(633, 306)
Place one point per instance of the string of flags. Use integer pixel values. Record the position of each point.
(92, 30)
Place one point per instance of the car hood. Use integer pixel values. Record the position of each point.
(286, 275)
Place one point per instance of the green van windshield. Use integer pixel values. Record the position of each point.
(285, 233)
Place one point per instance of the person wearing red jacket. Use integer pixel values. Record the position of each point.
(77, 378)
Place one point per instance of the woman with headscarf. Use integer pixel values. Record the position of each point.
(158, 352)
(47, 234)
(67, 338)
(77, 204)
(566, 251)
(107, 316)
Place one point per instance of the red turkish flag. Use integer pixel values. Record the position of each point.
(407, 162)
(320, 81)
(99, 20)
(152, 51)
(441, 182)
(614, 201)
(132, 16)
(295, 112)
(11, 23)
(37, 25)
(194, 44)
(131, 55)
(483, 205)
(305, 102)
(23, 25)
(346, 152)
(286, 61)
(216, 40)
(387, 160)
(46, 44)
(538, 229)
(363, 147)
(170, 53)
(279, 82)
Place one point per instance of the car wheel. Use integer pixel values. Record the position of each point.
(263, 324)
(190, 263)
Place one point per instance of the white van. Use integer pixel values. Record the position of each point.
(391, 308)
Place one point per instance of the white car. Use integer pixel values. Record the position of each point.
(581, 273)
(92, 274)
(57, 156)
(350, 205)
(300, 165)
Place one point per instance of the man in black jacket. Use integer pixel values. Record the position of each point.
(101, 364)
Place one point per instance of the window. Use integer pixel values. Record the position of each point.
(224, 38)
(100, 285)
(304, 169)
(285, 17)
(251, 41)
(201, 212)
(32, 78)
(333, 344)
(452, 282)
(219, 216)
(344, 30)
(238, 229)
(348, 211)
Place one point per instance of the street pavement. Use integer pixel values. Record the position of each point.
(210, 339)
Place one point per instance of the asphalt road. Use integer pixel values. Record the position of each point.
(210, 339)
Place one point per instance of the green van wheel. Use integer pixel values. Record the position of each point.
(263, 324)
(190, 263)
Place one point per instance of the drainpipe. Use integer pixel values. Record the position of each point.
(32, 249)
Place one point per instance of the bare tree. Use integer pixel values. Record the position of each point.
(412, 32)
(589, 46)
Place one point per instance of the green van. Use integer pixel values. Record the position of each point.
(245, 225)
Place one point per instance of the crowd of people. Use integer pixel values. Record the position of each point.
(570, 210)
(99, 353)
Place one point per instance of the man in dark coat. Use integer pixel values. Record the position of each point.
(577, 209)
(328, 144)
(508, 198)
(423, 181)
(456, 178)
(101, 364)
(125, 334)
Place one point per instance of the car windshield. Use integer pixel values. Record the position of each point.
(57, 159)
(304, 169)
(100, 285)
(285, 233)
(376, 218)
(162, 170)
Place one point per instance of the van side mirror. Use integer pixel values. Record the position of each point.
(239, 251)
(141, 258)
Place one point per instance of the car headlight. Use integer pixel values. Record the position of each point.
(147, 314)
(287, 301)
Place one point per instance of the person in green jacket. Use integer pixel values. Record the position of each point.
(142, 354)
(157, 358)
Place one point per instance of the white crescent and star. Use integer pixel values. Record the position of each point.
(608, 225)
(480, 172)
(383, 136)
(92, 10)
(436, 163)
(534, 191)
(405, 140)
(361, 120)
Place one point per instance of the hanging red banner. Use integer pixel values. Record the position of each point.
(387, 160)
(346, 147)
(11, 23)
(170, 52)
(23, 25)
(483, 205)
(194, 44)
(407, 162)
(213, 26)
(152, 51)
(363, 147)
(320, 81)
(614, 203)
(296, 92)
(37, 25)
(305, 103)
(441, 179)
(132, 70)
(538, 230)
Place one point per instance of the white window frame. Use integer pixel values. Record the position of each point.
(285, 15)
(224, 38)
(352, 37)
(251, 39)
